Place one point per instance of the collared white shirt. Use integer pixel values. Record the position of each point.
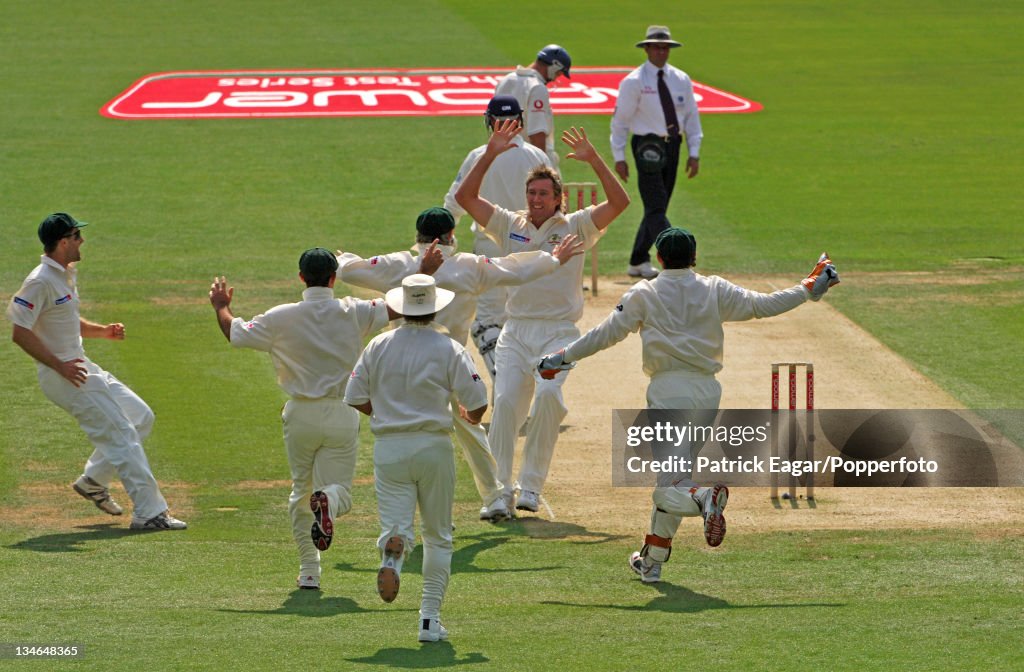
(47, 304)
(468, 275)
(409, 375)
(529, 88)
(638, 109)
(679, 316)
(313, 343)
(558, 296)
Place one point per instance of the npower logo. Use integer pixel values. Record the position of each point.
(365, 93)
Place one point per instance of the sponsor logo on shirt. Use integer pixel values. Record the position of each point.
(22, 302)
(373, 262)
(63, 299)
(476, 377)
(538, 104)
(619, 308)
(248, 325)
(517, 237)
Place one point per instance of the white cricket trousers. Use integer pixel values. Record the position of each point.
(477, 451)
(321, 437)
(410, 469)
(688, 391)
(520, 347)
(117, 421)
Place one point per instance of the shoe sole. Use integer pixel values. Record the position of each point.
(428, 638)
(322, 531)
(388, 580)
(714, 522)
(99, 503)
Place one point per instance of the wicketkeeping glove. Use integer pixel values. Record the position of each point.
(551, 364)
(821, 278)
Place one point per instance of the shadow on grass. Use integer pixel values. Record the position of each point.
(463, 559)
(440, 654)
(74, 542)
(679, 600)
(541, 528)
(311, 603)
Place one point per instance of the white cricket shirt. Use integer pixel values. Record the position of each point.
(679, 315)
(409, 375)
(47, 304)
(313, 343)
(638, 108)
(558, 296)
(529, 88)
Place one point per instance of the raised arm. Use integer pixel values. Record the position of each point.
(468, 193)
(616, 198)
(220, 299)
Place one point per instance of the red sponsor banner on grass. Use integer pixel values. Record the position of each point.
(368, 93)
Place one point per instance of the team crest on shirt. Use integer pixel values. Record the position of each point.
(521, 239)
(554, 239)
(63, 299)
(619, 308)
(373, 262)
(22, 302)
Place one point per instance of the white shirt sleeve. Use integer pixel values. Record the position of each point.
(515, 269)
(691, 120)
(622, 119)
(737, 304)
(469, 388)
(379, 273)
(357, 391)
(371, 315)
(256, 334)
(627, 317)
(25, 306)
(498, 226)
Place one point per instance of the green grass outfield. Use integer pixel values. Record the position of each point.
(890, 137)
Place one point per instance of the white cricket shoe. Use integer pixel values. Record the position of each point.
(308, 582)
(497, 510)
(528, 500)
(431, 630)
(163, 521)
(97, 494)
(644, 270)
(712, 502)
(389, 574)
(650, 572)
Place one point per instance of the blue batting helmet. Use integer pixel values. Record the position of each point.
(557, 57)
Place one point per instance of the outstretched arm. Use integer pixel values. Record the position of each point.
(616, 198)
(468, 193)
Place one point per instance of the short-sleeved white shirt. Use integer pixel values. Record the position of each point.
(558, 296)
(409, 375)
(47, 304)
(313, 343)
(529, 88)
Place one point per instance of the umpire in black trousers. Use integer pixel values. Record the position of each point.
(656, 104)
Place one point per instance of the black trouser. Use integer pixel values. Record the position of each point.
(655, 192)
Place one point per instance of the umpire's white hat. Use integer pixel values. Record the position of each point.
(418, 295)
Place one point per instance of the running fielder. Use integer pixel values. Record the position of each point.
(313, 344)
(403, 381)
(679, 315)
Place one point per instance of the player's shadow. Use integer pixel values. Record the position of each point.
(464, 558)
(439, 654)
(541, 528)
(680, 600)
(310, 603)
(75, 542)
